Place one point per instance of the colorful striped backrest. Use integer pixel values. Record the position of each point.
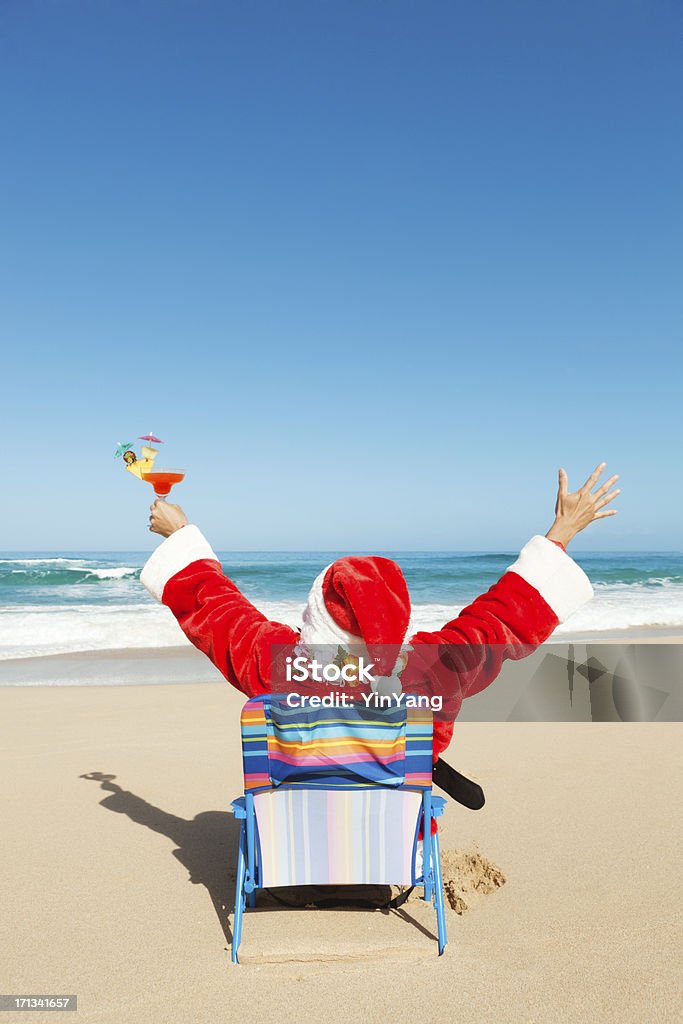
(334, 748)
(339, 837)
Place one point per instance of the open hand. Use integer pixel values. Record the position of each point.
(166, 518)
(575, 510)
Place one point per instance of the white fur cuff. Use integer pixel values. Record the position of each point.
(181, 549)
(318, 626)
(555, 575)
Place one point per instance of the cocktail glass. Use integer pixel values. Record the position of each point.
(162, 480)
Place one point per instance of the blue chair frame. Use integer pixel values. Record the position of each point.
(248, 872)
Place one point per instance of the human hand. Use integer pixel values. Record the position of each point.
(166, 518)
(576, 510)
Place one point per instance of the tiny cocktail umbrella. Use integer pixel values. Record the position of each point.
(121, 448)
(162, 480)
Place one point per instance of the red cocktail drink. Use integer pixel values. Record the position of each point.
(162, 480)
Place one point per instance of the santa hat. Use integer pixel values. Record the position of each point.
(359, 603)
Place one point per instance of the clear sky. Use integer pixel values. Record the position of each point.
(373, 269)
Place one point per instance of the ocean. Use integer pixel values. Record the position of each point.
(52, 602)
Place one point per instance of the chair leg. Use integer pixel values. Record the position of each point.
(427, 858)
(428, 895)
(252, 865)
(251, 847)
(427, 872)
(439, 900)
(239, 894)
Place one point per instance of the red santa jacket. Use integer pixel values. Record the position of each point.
(541, 589)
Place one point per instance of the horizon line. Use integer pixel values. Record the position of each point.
(325, 551)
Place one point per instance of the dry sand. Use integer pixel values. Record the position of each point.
(120, 889)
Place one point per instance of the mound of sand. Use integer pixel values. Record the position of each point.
(467, 875)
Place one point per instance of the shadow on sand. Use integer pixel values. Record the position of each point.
(206, 845)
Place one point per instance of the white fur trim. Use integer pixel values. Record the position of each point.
(318, 627)
(181, 549)
(559, 580)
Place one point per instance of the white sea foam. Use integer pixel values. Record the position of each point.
(31, 630)
(625, 606)
(115, 573)
(112, 574)
(45, 561)
(27, 631)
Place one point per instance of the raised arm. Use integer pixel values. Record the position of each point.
(541, 589)
(185, 574)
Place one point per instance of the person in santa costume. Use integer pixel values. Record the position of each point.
(365, 600)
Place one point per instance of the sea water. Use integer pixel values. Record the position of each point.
(58, 602)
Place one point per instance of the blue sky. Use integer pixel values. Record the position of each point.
(374, 270)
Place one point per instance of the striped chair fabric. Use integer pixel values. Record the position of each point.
(338, 837)
(334, 748)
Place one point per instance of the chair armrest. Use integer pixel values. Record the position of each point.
(438, 806)
(238, 807)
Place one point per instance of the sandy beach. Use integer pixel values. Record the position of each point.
(119, 888)
(343, 357)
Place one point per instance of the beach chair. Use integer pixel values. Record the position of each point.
(336, 796)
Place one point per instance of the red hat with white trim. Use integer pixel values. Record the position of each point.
(359, 600)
